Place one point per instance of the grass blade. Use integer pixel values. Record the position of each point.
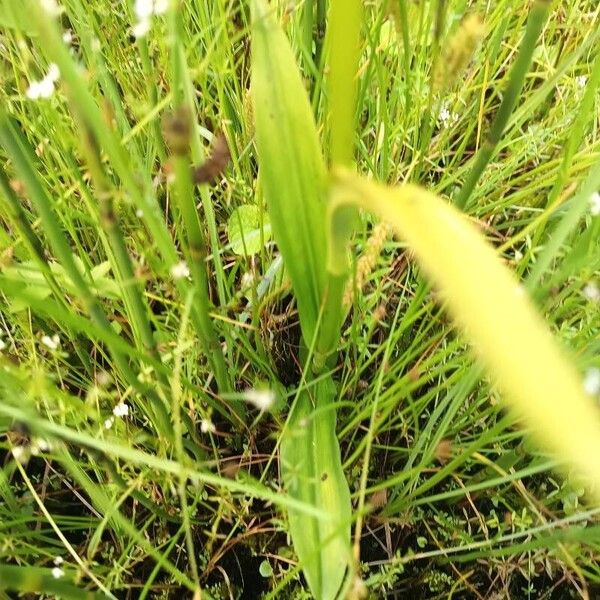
(495, 315)
(535, 23)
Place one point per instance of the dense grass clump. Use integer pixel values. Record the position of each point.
(198, 398)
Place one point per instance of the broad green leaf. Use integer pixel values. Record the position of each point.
(292, 168)
(244, 231)
(34, 579)
(29, 273)
(312, 473)
(495, 315)
(293, 174)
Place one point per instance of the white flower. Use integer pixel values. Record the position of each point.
(207, 426)
(58, 561)
(444, 115)
(57, 572)
(53, 72)
(20, 453)
(161, 7)
(180, 270)
(141, 28)
(45, 87)
(595, 203)
(143, 9)
(67, 36)
(51, 7)
(592, 292)
(121, 410)
(51, 342)
(109, 423)
(261, 399)
(39, 445)
(581, 81)
(591, 381)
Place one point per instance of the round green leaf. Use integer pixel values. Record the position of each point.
(265, 569)
(244, 230)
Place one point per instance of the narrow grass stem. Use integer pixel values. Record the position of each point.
(535, 23)
(181, 130)
(344, 42)
(577, 133)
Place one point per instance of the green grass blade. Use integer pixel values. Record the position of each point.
(312, 472)
(535, 23)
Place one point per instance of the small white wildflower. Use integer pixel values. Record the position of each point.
(43, 445)
(595, 203)
(51, 342)
(39, 445)
(180, 270)
(67, 37)
(143, 9)
(20, 453)
(121, 410)
(141, 28)
(445, 116)
(45, 87)
(58, 561)
(2, 344)
(161, 7)
(33, 91)
(207, 426)
(592, 292)
(57, 572)
(591, 381)
(109, 423)
(53, 73)
(518, 256)
(139, 213)
(261, 399)
(581, 81)
(51, 7)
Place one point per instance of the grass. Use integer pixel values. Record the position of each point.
(185, 493)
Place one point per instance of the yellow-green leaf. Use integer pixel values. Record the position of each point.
(495, 314)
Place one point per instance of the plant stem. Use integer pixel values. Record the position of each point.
(535, 23)
(344, 41)
(184, 194)
(321, 28)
